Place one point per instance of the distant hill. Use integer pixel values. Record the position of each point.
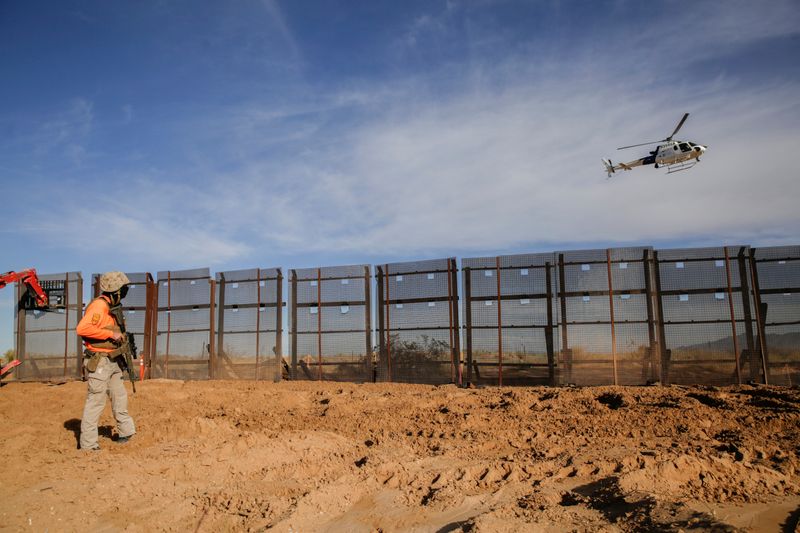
(782, 342)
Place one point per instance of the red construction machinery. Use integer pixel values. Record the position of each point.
(40, 295)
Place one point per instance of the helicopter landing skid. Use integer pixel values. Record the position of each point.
(677, 167)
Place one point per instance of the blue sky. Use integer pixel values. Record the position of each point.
(147, 136)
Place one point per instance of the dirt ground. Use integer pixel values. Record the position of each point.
(245, 456)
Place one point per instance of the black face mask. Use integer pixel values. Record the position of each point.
(117, 296)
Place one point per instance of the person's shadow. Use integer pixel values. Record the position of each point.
(74, 425)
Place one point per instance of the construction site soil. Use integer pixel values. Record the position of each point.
(309, 456)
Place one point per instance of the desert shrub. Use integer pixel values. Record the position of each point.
(413, 359)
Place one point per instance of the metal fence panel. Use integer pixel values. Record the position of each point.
(777, 286)
(707, 321)
(606, 317)
(418, 322)
(510, 316)
(46, 341)
(185, 338)
(331, 327)
(249, 316)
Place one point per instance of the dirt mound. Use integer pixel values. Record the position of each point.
(243, 456)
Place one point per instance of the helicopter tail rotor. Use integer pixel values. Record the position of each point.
(609, 166)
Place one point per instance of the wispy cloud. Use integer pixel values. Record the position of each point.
(278, 19)
(67, 131)
(506, 155)
(64, 133)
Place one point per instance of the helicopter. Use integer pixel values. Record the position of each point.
(672, 155)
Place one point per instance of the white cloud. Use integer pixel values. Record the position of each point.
(508, 155)
(521, 166)
(156, 226)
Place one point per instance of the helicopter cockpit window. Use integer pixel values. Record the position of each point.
(685, 147)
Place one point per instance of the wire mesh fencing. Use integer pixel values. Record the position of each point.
(510, 316)
(706, 309)
(46, 341)
(184, 339)
(249, 324)
(139, 311)
(777, 289)
(331, 324)
(417, 309)
(606, 320)
(625, 316)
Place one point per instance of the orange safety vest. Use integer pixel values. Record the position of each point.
(98, 326)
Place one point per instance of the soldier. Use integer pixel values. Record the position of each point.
(101, 332)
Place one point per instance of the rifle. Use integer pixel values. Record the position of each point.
(128, 346)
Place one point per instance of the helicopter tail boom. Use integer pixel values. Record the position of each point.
(611, 168)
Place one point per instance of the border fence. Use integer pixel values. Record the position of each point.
(620, 316)
(184, 341)
(510, 316)
(777, 288)
(249, 318)
(331, 327)
(418, 322)
(46, 341)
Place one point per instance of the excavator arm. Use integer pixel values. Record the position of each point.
(31, 280)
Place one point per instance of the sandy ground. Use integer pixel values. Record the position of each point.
(244, 456)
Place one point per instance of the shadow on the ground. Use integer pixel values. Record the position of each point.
(641, 512)
(74, 425)
(792, 521)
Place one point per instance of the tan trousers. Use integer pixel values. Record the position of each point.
(107, 379)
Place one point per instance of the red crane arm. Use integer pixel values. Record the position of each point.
(29, 278)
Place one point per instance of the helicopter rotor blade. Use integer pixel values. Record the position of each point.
(685, 116)
(635, 145)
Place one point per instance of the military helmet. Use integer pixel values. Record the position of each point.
(113, 281)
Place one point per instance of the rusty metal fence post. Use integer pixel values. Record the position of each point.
(293, 313)
(212, 352)
(733, 316)
(379, 312)
(278, 350)
(662, 336)
(651, 371)
(565, 349)
(499, 325)
(611, 316)
(548, 332)
(455, 326)
(368, 324)
(760, 319)
(467, 281)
